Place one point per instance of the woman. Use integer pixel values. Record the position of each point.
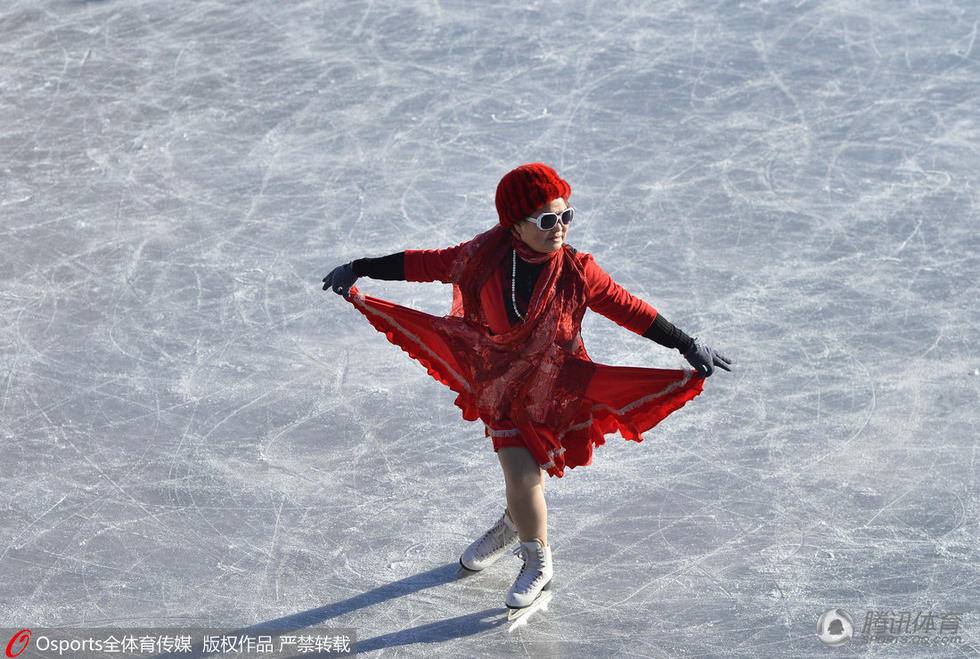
(511, 348)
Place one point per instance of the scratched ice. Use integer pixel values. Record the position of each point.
(194, 434)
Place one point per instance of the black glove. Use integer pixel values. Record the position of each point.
(340, 279)
(704, 359)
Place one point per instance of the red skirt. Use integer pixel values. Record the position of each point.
(621, 399)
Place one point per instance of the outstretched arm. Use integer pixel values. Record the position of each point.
(703, 358)
(616, 303)
(341, 278)
(412, 265)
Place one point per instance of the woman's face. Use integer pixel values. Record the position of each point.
(544, 241)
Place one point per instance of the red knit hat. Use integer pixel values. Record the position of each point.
(524, 190)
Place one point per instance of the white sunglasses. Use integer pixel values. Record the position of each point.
(547, 221)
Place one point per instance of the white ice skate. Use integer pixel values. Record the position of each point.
(534, 578)
(490, 546)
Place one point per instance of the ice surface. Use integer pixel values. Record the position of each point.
(194, 434)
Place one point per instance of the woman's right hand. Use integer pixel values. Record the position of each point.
(340, 279)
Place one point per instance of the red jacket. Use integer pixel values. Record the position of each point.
(605, 296)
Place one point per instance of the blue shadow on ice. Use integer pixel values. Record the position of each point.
(434, 632)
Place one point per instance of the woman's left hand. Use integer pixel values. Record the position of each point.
(704, 359)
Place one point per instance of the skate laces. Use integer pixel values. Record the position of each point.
(493, 539)
(528, 576)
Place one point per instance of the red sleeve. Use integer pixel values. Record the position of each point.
(430, 264)
(615, 302)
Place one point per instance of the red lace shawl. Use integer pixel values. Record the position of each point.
(536, 379)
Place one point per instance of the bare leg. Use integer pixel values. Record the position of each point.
(525, 493)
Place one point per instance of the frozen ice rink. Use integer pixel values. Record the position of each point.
(194, 434)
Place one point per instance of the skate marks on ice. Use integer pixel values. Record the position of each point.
(179, 174)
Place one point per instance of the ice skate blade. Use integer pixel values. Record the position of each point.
(466, 570)
(519, 617)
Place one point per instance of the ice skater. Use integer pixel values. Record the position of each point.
(512, 350)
